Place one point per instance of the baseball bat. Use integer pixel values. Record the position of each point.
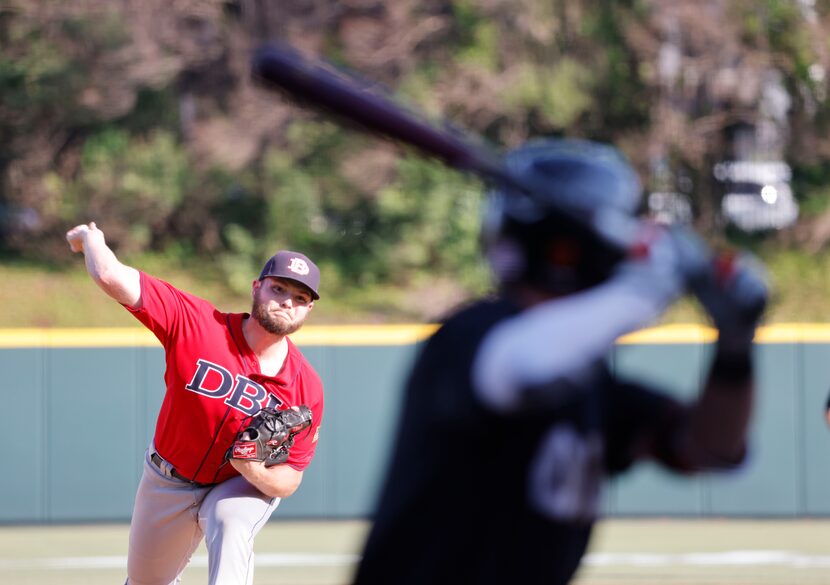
(319, 85)
(316, 84)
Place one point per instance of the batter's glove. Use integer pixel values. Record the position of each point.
(734, 291)
(731, 286)
(269, 435)
(655, 267)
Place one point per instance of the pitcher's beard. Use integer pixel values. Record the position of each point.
(273, 324)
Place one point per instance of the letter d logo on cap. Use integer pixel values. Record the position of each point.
(298, 266)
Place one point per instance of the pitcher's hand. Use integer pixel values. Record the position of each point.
(77, 236)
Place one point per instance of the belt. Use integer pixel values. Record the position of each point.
(159, 462)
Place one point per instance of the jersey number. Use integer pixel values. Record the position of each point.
(566, 475)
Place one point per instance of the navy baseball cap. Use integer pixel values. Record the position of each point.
(293, 266)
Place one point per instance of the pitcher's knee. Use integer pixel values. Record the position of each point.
(230, 530)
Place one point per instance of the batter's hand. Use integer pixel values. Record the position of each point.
(654, 267)
(734, 292)
(77, 235)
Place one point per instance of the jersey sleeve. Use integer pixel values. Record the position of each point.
(555, 344)
(164, 308)
(642, 423)
(305, 442)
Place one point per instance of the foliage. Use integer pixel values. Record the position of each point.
(800, 282)
(436, 233)
(141, 116)
(121, 178)
(425, 219)
(559, 94)
(812, 182)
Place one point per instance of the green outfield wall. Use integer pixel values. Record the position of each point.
(80, 406)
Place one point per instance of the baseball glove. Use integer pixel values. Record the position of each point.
(269, 435)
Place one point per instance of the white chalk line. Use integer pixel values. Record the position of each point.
(732, 558)
(735, 558)
(120, 562)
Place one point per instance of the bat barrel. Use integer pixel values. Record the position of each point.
(313, 85)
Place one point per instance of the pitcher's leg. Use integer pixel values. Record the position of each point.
(164, 530)
(231, 516)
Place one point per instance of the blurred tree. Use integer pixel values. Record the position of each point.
(141, 114)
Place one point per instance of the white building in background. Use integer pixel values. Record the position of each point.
(757, 195)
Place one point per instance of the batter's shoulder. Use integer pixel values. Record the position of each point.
(487, 310)
(475, 319)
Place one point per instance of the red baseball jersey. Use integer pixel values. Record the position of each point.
(214, 383)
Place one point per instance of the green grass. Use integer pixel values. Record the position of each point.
(40, 296)
(678, 541)
(34, 296)
(677, 544)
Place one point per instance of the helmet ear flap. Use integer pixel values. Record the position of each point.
(507, 258)
(548, 254)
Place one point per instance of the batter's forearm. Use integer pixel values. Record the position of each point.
(557, 341)
(721, 417)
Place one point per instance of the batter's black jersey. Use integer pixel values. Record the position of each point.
(474, 496)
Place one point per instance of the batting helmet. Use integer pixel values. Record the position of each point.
(562, 230)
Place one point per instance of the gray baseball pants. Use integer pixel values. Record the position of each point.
(171, 517)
